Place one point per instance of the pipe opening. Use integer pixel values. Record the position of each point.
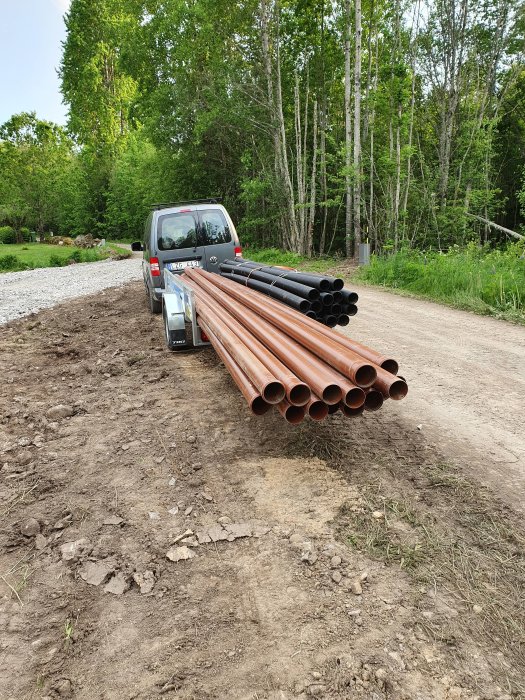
(355, 397)
(337, 284)
(351, 309)
(313, 294)
(317, 410)
(365, 376)
(330, 321)
(316, 306)
(304, 305)
(398, 390)
(390, 365)
(351, 412)
(299, 395)
(338, 297)
(324, 285)
(260, 406)
(332, 394)
(352, 297)
(333, 408)
(311, 314)
(273, 392)
(343, 320)
(294, 414)
(328, 299)
(337, 309)
(374, 400)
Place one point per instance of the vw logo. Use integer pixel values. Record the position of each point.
(214, 260)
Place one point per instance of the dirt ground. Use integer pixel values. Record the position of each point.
(356, 558)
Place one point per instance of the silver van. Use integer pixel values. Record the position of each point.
(198, 233)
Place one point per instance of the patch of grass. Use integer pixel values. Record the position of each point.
(477, 279)
(275, 256)
(35, 255)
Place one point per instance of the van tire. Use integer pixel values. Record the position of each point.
(154, 306)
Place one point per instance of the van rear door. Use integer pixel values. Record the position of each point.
(177, 241)
(215, 236)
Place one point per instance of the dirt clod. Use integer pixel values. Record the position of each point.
(60, 411)
(71, 551)
(30, 527)
(179, 553)
(95, 573)
(117, 584)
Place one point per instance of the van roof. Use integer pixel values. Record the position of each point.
(188, 202)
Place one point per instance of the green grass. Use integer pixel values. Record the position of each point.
(274, 256)
(26, 256)
(473, 278)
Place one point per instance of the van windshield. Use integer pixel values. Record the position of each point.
(176, 231)
(214, 228)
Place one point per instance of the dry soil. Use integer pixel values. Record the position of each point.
(356, 558)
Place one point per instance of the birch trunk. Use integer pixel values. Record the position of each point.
(357, 131)
(348, 135)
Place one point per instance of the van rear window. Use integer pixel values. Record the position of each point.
(214, 228)
(176, 231)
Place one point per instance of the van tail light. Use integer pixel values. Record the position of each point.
(154, 267)
(238, 251)
(204, 337)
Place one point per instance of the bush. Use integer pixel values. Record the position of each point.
(56, 261)
(76, 255)
(7, 234)
(10, 262)
(26, 234)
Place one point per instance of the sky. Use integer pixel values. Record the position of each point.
(30, 51)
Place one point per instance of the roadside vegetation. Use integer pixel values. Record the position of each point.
(27, 256)
(475, 278)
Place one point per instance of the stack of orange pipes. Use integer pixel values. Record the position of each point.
(278, 356)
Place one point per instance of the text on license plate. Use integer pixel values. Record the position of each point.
(183, 264)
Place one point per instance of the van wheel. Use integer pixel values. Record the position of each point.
(154, 306)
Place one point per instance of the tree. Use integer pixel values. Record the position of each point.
(34, 157)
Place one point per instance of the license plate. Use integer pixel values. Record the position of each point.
(183, 264)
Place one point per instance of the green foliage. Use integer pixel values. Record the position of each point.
(275, 256)
(34, 255)
(7, 234)
(473, 277)
(10, 262)
(25, 234)
(56, 260)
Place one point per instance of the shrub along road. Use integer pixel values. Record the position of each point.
(158, 541)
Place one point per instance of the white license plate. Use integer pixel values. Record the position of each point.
(183, 264)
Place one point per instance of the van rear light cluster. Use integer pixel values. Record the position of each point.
(238, 251)
(154, 267)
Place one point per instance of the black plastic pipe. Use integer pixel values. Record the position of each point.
(301, 290)
(327, 298)
(324, 284)
(343, 320)
(350, 309)
(350, 297)
(330, 321)
(287, 298)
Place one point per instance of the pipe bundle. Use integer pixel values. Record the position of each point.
(279, 356)
(319, 297)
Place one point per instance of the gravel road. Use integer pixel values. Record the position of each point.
(23, 293)
(466, 379)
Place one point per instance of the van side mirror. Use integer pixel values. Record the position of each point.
(136, 246)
